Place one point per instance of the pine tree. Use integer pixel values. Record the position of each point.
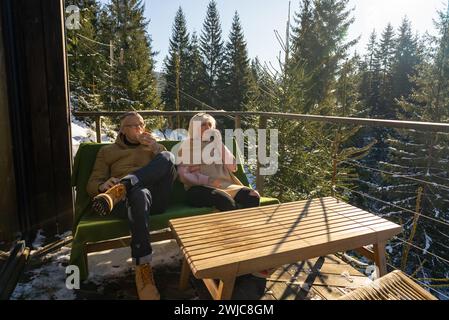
(177, 64)
(86, 64)
(212, 50)
(347, 145)
(386, 53)
(347, 93)
(370, 83)
(304, 45)
(132, 84)
(406, 60)
(303, 31)
(235, 79)
(319, 45)
(196, 78)
(259, 98)
(309, 151)
(374, 75)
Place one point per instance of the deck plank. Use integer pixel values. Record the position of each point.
(260, 225)
(270, 247)
(271, 209)
(243, 215)
(241, 239)
(312, 280)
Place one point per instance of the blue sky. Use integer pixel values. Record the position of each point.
(261, 17)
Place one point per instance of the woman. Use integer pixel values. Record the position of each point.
(211, 184)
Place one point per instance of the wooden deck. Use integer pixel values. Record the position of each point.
(326, 278)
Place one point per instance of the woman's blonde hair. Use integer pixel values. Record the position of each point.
(202, 118)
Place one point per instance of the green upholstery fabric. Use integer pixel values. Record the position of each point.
(89, 227)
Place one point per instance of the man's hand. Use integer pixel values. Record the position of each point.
(108, 184)
(147, 139)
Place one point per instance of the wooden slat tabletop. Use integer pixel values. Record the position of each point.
(253, 239)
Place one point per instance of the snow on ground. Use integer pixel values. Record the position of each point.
(80, 133)
(64, 235)
(83, 133)
(428, 243)
(47, 280)
(113, 263)
(372, 272)
(169, 134)
(39, 240)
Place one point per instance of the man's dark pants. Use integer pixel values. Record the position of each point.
(150, 195)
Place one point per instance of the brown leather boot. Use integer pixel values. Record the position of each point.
(105, 202)
(146, 287)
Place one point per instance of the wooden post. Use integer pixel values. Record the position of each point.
(111, 64)
(237, 122)
(98, 128)
(225, 288)
(414, 226)
(335, 149)
(177, 99)
(185, 273)
(259, 177)
(379, 258)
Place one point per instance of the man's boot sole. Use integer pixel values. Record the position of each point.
(102, 205)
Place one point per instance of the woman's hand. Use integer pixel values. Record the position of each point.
(215, 183)
(254, 193)
(194, 168)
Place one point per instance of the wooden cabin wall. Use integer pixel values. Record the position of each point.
(9, 223)
(39, 113)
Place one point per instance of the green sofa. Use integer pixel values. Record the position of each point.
(91, 228)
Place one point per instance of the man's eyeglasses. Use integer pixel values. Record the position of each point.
(140, 125)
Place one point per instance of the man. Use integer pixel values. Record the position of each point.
(132, 178)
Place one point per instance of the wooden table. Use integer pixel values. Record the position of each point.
(225, 245)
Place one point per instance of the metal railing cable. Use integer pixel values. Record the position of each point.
(368, 196)
(97, 54)
(422, 249)
(295, 191)
(195, 100)
(393, 205)
(94, 41)
(199, 102)
(396, 175)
